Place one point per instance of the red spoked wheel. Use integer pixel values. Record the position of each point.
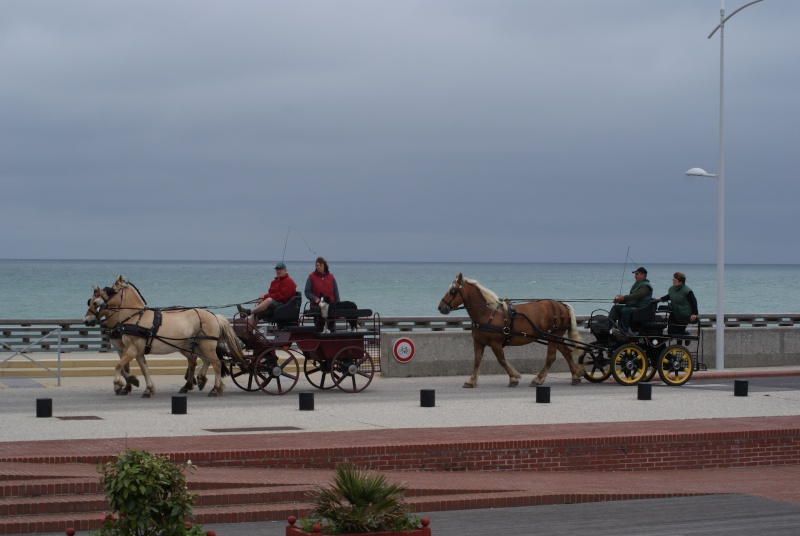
(352, 369)
(277, 371)
(242, 374)
(318, 373)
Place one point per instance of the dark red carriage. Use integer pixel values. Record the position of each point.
(342, 352)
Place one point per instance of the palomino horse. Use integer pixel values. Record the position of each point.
(497, 324)
(137, 330)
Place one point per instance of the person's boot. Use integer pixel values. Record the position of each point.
(243, 310)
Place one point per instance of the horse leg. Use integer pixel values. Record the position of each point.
(191, 364)
(219, 387)
(477, 348)
(513, 375)
(551, 356)
(202, 379)
(120, 386)
(129, 379)
(150, 390)
(574, 368)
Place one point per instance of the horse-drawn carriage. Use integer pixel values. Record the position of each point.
(342, 350)
(631, 359)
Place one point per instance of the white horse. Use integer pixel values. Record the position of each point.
(137, 330)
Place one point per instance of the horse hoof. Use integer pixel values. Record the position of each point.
(468, 386)
(201, 383)
(145, 395)
(134, 381)
(183, 390)
(536, 381)
(576, 381)
(121, 392)
(213, 393)
(513, 383)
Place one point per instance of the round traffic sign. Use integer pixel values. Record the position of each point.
(403, 350)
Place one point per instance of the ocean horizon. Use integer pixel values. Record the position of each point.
(59, 288)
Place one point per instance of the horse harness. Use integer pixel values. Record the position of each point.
(560, 322)
(149, 334)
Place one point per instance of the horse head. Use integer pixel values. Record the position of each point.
(454, 297)
(107, 301)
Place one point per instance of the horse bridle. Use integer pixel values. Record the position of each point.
(455, 290)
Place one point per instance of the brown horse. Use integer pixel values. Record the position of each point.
(497, 323)
(137, 330)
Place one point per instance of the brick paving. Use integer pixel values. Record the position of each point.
(40, 467)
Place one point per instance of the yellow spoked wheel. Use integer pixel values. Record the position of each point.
(596, 367)
(628, 364)
(675, 365)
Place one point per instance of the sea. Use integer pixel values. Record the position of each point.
(60, 289)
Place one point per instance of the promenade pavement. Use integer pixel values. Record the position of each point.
(87, 416)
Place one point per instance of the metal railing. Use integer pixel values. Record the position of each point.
(31, 347)
(74, 336)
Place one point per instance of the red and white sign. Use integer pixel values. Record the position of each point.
(403, 350)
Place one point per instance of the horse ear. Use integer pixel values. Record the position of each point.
(120, 279)
(459, 278)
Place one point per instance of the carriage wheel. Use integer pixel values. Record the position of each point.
(596, 368)
(242, 374)
(352, 369)
(318, 373)
(675, 365)
(628, 364)
(277, 375)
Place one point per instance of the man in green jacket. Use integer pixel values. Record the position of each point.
(640, 294)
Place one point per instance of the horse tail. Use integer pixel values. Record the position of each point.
(230, 338)
(573, 333)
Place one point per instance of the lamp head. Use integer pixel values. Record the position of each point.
(699, 172)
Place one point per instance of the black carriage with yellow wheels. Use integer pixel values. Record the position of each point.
(655, 347)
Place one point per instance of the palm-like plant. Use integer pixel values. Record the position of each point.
(358, 502)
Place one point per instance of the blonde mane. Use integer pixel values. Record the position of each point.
(492, 300)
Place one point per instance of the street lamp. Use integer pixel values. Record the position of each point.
(699, 172)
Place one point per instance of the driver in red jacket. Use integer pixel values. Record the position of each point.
(281, 290)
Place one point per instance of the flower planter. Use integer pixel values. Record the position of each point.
(292, 530)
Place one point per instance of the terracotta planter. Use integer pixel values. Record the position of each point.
(292, 530)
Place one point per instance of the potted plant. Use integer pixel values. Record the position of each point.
(359, 502)
(148, 496)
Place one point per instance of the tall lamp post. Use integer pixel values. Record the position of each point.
(720, 176)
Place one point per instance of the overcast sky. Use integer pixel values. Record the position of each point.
(437, 130)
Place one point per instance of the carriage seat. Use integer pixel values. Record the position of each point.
(287, 314)
(645, 321)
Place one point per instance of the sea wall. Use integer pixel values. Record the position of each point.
(450, 353)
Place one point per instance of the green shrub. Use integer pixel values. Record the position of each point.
(148, 496)
(357, 502)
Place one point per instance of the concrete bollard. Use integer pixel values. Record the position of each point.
(542, 394)
(740, 388)
(645, 391)
(179, 404)
(306, 401)
(427, 398)
(44, 407)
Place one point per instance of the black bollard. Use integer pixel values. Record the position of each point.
(427, 398)
(740, 388)
(542, 394)
(179, 404)
(306, 401)
(44, 407)
(645, 391)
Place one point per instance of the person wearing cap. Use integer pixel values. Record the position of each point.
(281, 290)
(640, 294)
(683, 302)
